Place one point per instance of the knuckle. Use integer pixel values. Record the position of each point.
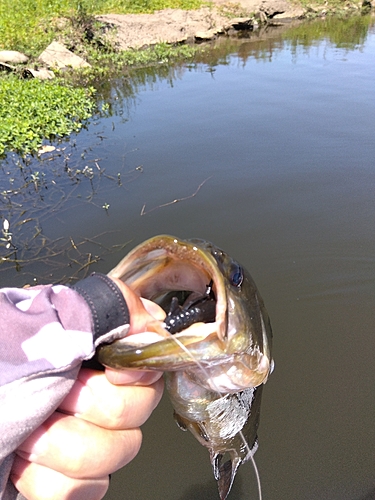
(132, 441)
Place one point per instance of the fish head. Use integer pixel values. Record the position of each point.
(248, 333)
(234, 350)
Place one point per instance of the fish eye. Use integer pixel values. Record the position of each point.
(236, 276)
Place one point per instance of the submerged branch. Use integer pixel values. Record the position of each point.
(144, 211)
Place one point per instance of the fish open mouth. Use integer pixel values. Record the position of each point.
(157, 270)
(165, 264)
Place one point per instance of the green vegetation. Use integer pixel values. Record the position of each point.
(32, 110)
(30, 25)
(315, 8)
(111, 64)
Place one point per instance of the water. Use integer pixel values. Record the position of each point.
(270, 148)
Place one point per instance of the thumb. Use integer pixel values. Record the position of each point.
(145, 315)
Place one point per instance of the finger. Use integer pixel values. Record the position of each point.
(154, 309)
(80, 449)
(97, 400)
(140, 319)
(36, 482)
(133, 377)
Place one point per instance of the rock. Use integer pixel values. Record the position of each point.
(46, 149)
(12, 56)
(6, 67)
(273, 7)
(293, 13)
(41, 73)
(240, 23)
(168, 25)
(58, 56)
(366, 5)
(205, 35)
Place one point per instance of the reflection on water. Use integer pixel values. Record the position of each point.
(280, 126)
(351, 34)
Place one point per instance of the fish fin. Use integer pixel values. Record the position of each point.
(196, 428)
(180, 421)
(225, 473)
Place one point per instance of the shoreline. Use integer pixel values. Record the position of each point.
(133, 32)
(175, 26)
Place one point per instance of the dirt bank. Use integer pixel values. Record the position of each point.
(176, 26)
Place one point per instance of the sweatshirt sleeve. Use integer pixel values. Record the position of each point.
(45, 334)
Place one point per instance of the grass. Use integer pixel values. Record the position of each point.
(19, 19)
(337, 7)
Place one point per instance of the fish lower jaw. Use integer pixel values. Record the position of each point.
(222, 385)
(235, 376)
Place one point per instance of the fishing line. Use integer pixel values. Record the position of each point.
(256, 471)
(220, 394)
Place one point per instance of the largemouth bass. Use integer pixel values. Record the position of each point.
(217, 362)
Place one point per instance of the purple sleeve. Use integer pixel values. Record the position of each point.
(45, 334)
(42, 329)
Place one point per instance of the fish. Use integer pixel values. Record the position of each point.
(216, 359)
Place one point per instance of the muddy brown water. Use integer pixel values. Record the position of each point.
(280, 131)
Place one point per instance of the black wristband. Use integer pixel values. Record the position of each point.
(107, 304)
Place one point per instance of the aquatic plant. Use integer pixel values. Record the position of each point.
(33, 110)
(34, 189)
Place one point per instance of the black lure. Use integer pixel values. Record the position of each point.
(201, 309)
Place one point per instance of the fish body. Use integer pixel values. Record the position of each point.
(215, 368)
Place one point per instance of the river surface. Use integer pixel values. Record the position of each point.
(269, 148)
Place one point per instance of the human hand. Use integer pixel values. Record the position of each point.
(94, 433)
(96, 428)
(145, 315)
